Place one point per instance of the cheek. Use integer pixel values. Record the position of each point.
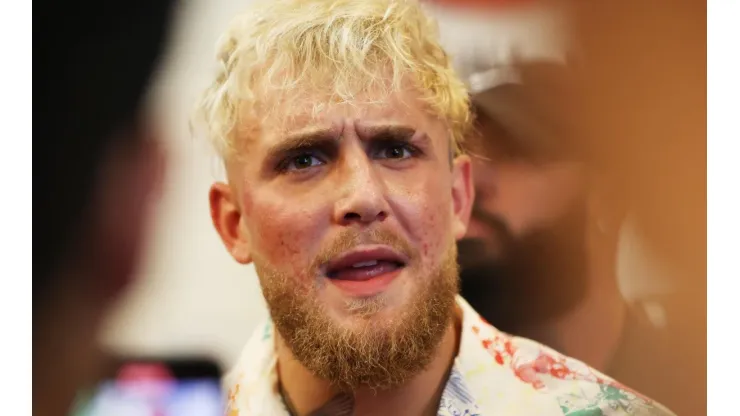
(528, 198)
(425, 210)
(283, 235)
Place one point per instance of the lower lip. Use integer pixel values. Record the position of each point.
(369, 287)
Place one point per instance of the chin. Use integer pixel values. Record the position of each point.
(380, 308)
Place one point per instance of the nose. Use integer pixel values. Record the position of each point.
(362, 193)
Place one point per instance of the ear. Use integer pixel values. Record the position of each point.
(227, 219)
(463, 194)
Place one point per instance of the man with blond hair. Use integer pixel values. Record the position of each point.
(340, 125)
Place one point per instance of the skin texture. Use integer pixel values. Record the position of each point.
(308, 189)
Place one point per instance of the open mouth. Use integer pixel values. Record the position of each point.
(365, 263)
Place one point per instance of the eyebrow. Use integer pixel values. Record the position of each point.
(395, 133)
(386, 131)
(401, 133)
(317, 137)
(327, 139)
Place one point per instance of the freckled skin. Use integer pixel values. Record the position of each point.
(287, 218)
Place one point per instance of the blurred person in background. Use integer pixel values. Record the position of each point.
(98, 168)
(633, 118)
(340, 125)
(540, 256)
(524, 258)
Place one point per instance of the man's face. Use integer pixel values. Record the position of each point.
(526, 242)
(516, 197)
(351, 218)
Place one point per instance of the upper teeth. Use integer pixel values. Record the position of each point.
(365, 264)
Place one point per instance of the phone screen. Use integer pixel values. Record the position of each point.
(156, 388)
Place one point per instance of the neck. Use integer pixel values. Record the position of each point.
(418, 396)
(591, 331)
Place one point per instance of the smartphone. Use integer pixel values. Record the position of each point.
(156, 386)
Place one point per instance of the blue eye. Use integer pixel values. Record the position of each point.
(301, 162)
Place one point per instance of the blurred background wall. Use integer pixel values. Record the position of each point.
(191, 296)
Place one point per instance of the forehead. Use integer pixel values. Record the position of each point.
(306, 110)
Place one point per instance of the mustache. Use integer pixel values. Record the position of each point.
(350, 238)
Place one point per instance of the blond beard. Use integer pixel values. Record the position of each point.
(376, 353)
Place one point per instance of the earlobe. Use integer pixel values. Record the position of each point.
(227, 219)
(463, 194)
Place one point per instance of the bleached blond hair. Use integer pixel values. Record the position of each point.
(339, 48)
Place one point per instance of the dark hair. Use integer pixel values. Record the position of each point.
(537, 117)
(92, 62)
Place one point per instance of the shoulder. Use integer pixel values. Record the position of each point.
(255, 356)
(576, 388)
(251, 382)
